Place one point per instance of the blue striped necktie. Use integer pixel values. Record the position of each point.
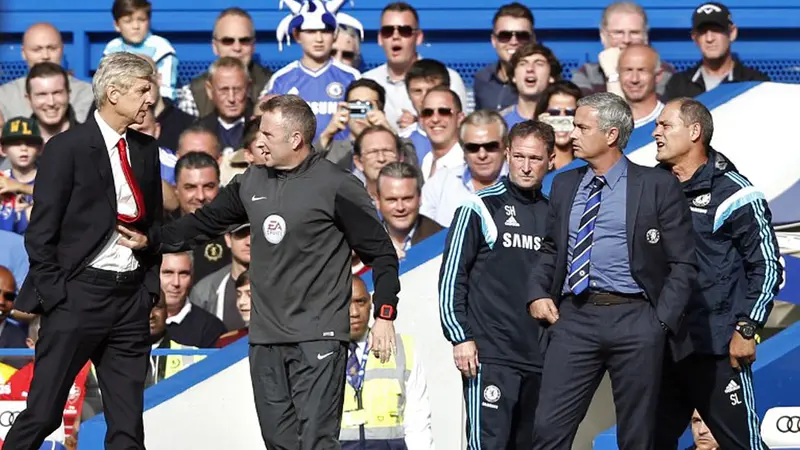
(582, 253)
(353, 367)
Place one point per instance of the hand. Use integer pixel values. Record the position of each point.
(338, 123)
(741, 351)
(465, 356)
(21, 204)
(381, 339)
(10, 186)
(544, 309)
(406, 119)
(131, 238)
(376, 118)
(609, 60)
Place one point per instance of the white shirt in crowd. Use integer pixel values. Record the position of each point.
(417, 413)
(447, 191)
(650, 117)
(453, 158)
(115, 257)
(397, 98)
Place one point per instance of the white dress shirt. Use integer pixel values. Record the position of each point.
(178, 318)
(453, 158)
(397, 98)
(113, 256)
(447, 191)
(417, 414)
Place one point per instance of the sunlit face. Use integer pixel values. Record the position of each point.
(345, 49)
(532, 75)
(133, 27)
(196, 187)
(588, 141)
(316, 44)
(483, 151)
(528, 161)
(623, 29)
(509, 34)
(176, 278)
(133, 103)
(273, 143)
(42, 43)
(244, 302)
(234, 36)
(378, 149)
(564, 105)
(49, 99)
(149, 125)
(398, 202)
(714, 41)
(637, 73)
(399, 36)
(227, 89)
(440, 118)
(418, 88)
(673, 137)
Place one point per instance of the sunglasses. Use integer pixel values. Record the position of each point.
(405, 31)
(9, 296)
(228, 41)
(429, 112)
(475, 147)
(505, 36)
(345, 54)
(557, 112)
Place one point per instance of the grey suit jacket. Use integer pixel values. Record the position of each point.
(210, 290)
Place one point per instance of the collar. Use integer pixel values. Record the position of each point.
(315, 73)
(698, 71)
(616, 172)
(527, 196)
(157, 344)
(453, 158)
(110, 136)
(362, 343)
(178, 318)
(229, 126)
(650, 117)
(466, 176)
(702, 179)
(409, 236)
(303, 167)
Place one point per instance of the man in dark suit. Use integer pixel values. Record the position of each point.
(616, 273)
(94, 295)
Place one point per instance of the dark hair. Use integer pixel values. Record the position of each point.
(122, 8)
(250, 133)
(559, 87)
(44, 70)
(692, 111)
(400, 7)
(515, 9)
(195, 160)
(400, 170)
(442, 88)
(244, 278)
(535, 128)
(296, 115)
(375, 129)
(428, 69)
(200, 129)
(530, 49)
(369, 84)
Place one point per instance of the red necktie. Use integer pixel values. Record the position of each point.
(137, 194)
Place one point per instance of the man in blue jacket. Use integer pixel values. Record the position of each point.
(739, 274)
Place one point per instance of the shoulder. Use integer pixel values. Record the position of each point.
(349, 71)
(199, 79)
(144, 140)
(160, 42)
(486, 72)
(655, 175)
(668, 68)
(507, 110)
(568, 177)
(113, 45)
(587, 69)
(285, 70)
(376, 73)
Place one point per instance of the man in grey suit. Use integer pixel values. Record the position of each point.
(216, 292)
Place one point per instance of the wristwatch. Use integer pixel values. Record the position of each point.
(746, 329)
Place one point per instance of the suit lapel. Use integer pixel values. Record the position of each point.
(634, 192)
(103, 162)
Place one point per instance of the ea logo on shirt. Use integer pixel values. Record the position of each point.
(274, 229)
(334, 90)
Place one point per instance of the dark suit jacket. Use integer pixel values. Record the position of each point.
(666, 270)
(14, 337)
(425, 228)
(75, 210)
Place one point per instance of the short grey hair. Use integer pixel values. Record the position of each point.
(693, 111)
(228, 62)
(483, 117)
(612, 112)
(628, 7)
(120, 70)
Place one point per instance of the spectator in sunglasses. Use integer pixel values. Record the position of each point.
(235, 36)
(424, 75)
(559, 101)
(347, 47)
(512, 28)
(399, 35)
(638, 74)
(11, 335)
(482, 136)
(622, 24)
(534, 67)
(441, 116)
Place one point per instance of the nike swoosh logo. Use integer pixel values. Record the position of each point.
(255, 199)
(321, 357)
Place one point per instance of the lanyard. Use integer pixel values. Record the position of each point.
(359, 381)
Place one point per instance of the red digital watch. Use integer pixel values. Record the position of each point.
(387, 312)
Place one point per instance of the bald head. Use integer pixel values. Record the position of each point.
(640, 52)
(638, 73)
(42, 43)
(7, 282)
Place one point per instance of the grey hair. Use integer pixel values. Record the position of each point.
(629, 7)
(120, 70)
(693, 111)
(483, 117)
(400, 170)
(612, 112)
(228, 62)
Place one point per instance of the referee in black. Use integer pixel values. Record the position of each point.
(307, 215)
(491, 247)
(739, 273)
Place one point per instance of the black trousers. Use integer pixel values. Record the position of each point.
(299, 393)
(723, 397)
(501, 402)
(625, 339)
(105, 319)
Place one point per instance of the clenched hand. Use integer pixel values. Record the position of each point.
(741, 350)
(544, 309)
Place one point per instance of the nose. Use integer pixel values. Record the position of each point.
(626, 39)
(353, 310)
